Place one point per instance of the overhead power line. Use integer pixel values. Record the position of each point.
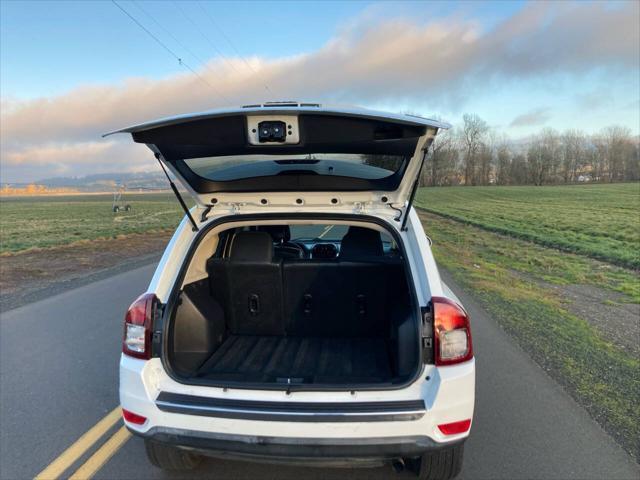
(182, 45)
(166, 30)
(226, 37)
(169, 50)
(206, 37)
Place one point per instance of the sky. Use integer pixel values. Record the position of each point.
(71, 71)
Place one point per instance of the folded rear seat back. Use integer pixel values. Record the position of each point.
(250, 281)
(352, 296)
(315, 298)
(367, 288)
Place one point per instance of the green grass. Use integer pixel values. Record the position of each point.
(514, 275)
(494, 240)
(40, 222)
(599, 221)
(547, 264)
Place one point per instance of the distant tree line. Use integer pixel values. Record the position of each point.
(474, 154)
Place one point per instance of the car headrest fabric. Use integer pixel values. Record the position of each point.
(251, 247)
(279, 233)
(361, 242)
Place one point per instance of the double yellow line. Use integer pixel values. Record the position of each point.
(89, 468)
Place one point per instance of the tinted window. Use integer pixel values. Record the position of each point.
(237, 167)
(327, 233)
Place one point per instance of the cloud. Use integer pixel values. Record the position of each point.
(594, 100)
(539, 116)
(441, 64)
(57, 154)
(74, 159)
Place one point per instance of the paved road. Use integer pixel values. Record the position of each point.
(58, 377)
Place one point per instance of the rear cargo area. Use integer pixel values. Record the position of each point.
(309, 360)
(259, 319)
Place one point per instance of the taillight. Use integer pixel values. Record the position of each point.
(451, 331)
(138, 325)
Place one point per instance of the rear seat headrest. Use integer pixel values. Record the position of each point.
(361, 242)
(251, 247)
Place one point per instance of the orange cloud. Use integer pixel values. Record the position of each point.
(395, 60)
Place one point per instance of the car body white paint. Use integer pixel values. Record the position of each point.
(448, 391)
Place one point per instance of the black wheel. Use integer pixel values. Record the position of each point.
(441, 464)
(116, 209)
(170, 458)
(127, 208)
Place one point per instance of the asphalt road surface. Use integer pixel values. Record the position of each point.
(59, 377)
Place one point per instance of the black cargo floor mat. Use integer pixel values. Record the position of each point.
(296, 360)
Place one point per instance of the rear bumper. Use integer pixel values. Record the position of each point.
(295, 450)
(333, 424)
(291, 411)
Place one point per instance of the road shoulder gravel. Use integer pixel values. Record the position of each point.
(36, 274)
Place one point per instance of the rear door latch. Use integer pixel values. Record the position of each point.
(254, 304)
(426, 314)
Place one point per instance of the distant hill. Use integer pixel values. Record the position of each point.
(101, 182)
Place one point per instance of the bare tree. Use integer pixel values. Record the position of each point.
(473, 133)
(518, 171)
(618, 149)
(632, 164)
(552, 146)
(573, 154)
(476, 155)
(485, 164)
(543, 157)
(442, 160)
(535, 162)
(503, 162)
(598, 156)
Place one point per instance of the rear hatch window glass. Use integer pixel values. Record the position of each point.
(351, 165)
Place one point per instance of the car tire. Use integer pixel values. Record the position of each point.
(170, 458)
(127, 208)
(116, 209)
(443, 464)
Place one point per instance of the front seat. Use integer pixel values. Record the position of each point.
(281, 235)
(361, 244)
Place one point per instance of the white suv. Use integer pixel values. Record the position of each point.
(297, 313)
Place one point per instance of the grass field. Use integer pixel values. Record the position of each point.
(599, 221)
(39, 222)
(576, 313)
(557, 267)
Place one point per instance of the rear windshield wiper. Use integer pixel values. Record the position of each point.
(299, 161)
